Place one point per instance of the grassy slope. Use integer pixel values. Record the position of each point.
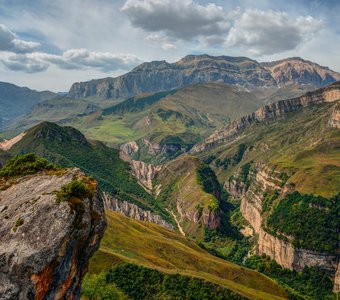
(178, 182)
(301, 144)
(197, 109)
(68, 147)
(128, 240)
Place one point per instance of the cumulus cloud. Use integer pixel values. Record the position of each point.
(71, 59)
(269, 32)
(182, 19)
(10, 42)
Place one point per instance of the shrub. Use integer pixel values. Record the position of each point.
(74, 189)
(25, 165)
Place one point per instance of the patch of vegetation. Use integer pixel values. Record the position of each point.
(95, 287)
(206, 177)
(144, 283)
(233, 160)
(311, 282)
(284, 177)
(227, 242)
(244, 174)
(135, 104)
(18, 223)
(268, 199)
(27, 164)
(312, 221)
(75, 189)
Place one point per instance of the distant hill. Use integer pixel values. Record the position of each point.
(15, 101)
(156, 76)
(166, 124)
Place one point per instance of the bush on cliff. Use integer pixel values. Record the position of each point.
(75, 189)
(25, 165)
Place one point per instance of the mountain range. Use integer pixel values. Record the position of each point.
(207, 168)
(158, 76)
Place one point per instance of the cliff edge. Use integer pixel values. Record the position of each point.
(48, 234)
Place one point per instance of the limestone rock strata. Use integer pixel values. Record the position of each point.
(144, 172)
(45, 246)
(129, 148)
(283, 251)
(158, 76)
(334, 120)
(210, 218)
(278, 109)
(133, 211)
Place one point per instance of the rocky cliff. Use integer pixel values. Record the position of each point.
(133, 211)
(45, 246)
(267, 180)
(162, 76)
(144, 172)
(334, 120)
(278, 109)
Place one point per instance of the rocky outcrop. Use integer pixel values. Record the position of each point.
(45, 246)
(275, 110)
(144, 172)
(158, 76)
(336, 287)
(284, 252)
(129, 148)
(210, 219)
(334, 120)
(133, 211)
(7, 144)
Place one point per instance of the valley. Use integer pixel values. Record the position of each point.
(217, 174)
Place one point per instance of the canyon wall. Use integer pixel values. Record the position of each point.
(133, 211)
(284, 252)
(45, 246)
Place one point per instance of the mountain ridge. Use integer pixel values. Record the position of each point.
(159, 76)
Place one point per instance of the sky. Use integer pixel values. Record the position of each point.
(48, 45)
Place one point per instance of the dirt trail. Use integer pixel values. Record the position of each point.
(179, 226)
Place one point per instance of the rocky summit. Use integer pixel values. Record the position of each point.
(45, 244)
(158, 76)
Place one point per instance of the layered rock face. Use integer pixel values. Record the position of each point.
(129, 148)
(288, 256)
(334, 120)
(45, 246)
(144, 172)
(162, 76)
(275, 110)
(133, 211)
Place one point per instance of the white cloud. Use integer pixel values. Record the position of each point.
(71, 59)
(181, 19)
(10, 42)
(269, 32)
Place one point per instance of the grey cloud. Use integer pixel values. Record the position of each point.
(182, 19)
(73, 59)
(269, 32)
(25, 64)
(10, 42)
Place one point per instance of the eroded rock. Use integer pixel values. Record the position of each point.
(45, 246)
